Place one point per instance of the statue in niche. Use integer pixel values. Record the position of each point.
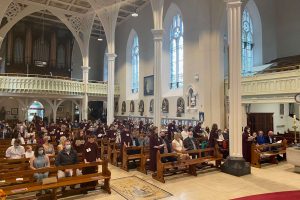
(116, 106)
(192, 101)
(165, 106)
(180, 107)
(151, 106)
(2, 113)
(131, 106)
(123, 107)
(141, 107)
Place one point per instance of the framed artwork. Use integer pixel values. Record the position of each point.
(165, 106)
(151, 107)
(149, 85)
(14, 111)
(60, 109)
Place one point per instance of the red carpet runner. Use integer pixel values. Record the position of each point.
(290, 195)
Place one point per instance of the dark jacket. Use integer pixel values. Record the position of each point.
(188, 143)
(63, 158)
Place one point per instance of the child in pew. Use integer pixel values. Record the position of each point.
(38, 161)
(29, 153)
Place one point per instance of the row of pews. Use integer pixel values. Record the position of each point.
(17, 178)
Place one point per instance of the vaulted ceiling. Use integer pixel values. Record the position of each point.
(80, 7)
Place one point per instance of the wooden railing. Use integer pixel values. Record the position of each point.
(39, 84)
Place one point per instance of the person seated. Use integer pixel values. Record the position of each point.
(260, 139)
(49, 148)
(67, 156)
(190, 143)
(177, 146)
(226, 134)
(31, 140)
(16, 151)
(270, 138)
(29, 153)
(184, 133)
(17, 135)
(79, 141)
(38, 161)
(220, 135)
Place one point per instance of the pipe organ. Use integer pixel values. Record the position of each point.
(34, 49)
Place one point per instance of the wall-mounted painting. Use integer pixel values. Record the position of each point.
(201, 117)
(116, 106)
(14, 111)
(141, 107)
(149, 85)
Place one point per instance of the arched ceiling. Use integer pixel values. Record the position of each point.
(81, 7)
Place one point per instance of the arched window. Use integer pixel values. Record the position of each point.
(176, 53)
(135, 60)
(105, 66)
(247, 43)
(18, 51)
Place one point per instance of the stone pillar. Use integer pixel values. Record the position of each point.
(53, 47)
(158, 35)
(157, 8)
(235, 164)
(111, 57)
(85, 100)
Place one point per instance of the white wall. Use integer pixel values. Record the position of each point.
(281, 122)
(96, 56)
(202, 46)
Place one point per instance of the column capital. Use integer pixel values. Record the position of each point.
(158, 34)
(233, 3)
(111, 56)
(85, 68)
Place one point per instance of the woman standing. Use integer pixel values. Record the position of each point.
(247, 141)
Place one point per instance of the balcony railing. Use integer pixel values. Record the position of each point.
(39, 84)
(276, 83)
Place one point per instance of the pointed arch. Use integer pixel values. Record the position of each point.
(132, 66)
(251, 38)
(173, 52)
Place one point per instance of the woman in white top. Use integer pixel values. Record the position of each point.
(177, 146)
(17, 135)
(184, 133)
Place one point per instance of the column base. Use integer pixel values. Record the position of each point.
(236, 166)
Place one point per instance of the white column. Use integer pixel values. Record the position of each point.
(235, 106)
(111, 57)
(157, 8)
(85, 100)
(158, 35)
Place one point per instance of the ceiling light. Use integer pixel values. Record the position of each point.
(100, 39)
(135, 14)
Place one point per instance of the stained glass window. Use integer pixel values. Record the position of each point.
(247, 43)
(135, 61)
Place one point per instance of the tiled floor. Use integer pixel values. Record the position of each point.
(213, 184)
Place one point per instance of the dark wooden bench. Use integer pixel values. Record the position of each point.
(267, 152)
(199, 156)
(131, 153)
(26, 185)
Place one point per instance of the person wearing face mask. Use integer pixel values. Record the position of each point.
(190, 143)
(16, 151)
(246, 144)
(68, 156)
(40, 160)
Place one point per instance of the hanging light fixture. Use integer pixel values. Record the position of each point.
(135, 14)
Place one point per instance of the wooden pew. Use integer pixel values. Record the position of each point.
(200, 156)
(263, 151)
(126, 157)
(116, 152)
(144, 159)
(28, 184)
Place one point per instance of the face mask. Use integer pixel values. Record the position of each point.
(68, 147)
(41, 152)
(16, 145)
(190, 136)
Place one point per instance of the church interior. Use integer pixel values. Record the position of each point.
(149, 99)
